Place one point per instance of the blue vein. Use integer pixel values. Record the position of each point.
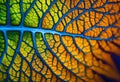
(43, 31)
(14, 56)
(8, 12)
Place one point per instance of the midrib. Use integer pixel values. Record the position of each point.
(44, 31)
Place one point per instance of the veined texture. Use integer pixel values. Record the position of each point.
(59, 40)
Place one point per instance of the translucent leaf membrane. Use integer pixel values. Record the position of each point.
(59, 40)
(15, 15)
(37, 12)
(3, 12)
(2, 45)
(9, 55)
(74, 56)
(26, 4)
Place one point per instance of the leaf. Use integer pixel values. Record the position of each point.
(59, 40)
